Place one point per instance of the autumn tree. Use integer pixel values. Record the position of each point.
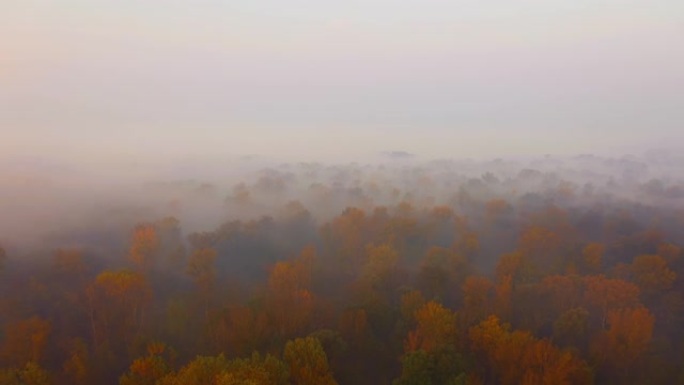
(117, 302)
(255, 370)
(545, 364)
(289, 300)
(202, 269)
(203, 370)
(603, 294)
(592, 255)
(237, 329)
(403, 232)
(468, 244)
(441, 273)
(217, 370)
(431, 353)
(478, 297)
(518, 266)
(144, 246)
(517, 357)
(411, 301)
(626, 339)
(572, 328)
(77, 367)
(354, 327)
(435, 329)
(498, 351)
(345, 237)
(308, 362)
(562, 292)
(25, 341)
(651, 273)
(380, 274)
(422, 368)
(503, 300)
(29, 374)
(439, 227)
(541, 248)
(151, 368)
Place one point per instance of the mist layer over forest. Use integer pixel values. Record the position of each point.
(50, 202)
(354, 192)
(542, 270)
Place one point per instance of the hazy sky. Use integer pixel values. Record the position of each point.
(308, 79)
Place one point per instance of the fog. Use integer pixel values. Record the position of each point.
(233, 256)
(133, 108)
(50, 204)
(364, 192)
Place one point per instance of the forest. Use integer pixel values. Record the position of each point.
(548, 271)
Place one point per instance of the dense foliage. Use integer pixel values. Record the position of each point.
(491, 287)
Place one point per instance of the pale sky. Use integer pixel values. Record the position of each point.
(316, 79)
